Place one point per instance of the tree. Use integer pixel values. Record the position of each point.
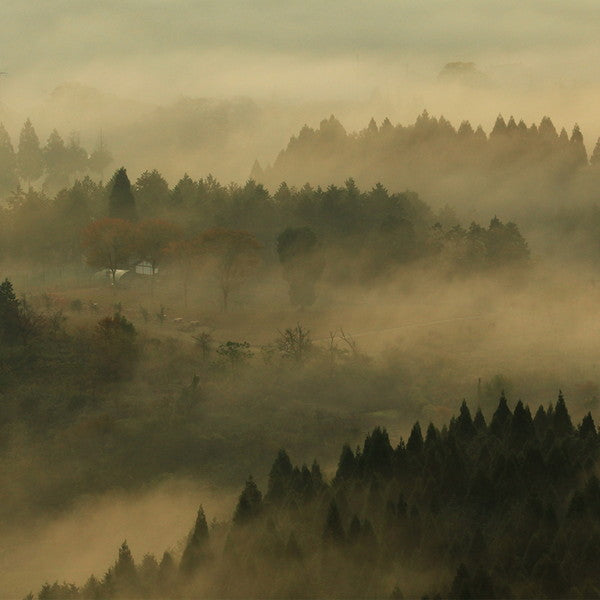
(595, 158)
(234, 255)
(124, 571)
(249, 504)
(56, 161)
(196, 551)
(235, 352)
(298, 251)
(152, 192)
(333, 531)
(121, 202)
(116, 350)
(108, 244)
(295, 343)
(10, 311)
(8, 163)
(279, 477)
(30, 160)
(99, 159)
(185, 256)
(152, 237)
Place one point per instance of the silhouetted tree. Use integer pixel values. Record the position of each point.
(121, 202)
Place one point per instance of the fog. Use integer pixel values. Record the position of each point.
(170, 328)
(292, 64)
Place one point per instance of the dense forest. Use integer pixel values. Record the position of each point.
(503, 509)
(152, 332)
(520, 167)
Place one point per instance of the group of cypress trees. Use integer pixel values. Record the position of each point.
(434, 157)
(509, 508)
(57, 161)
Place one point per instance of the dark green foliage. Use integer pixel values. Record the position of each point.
(415, 441)
(279, 477)
(249, 504)
(333, 531)
(30, 161)
(510, 513)
(121, 202)
(117, 352)
(562, 420)
(10, 313)
(8, 163)
(298, 251)
(196, 550)
(501, 418)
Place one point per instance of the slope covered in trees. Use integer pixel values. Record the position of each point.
(514, 167)
(508, 507)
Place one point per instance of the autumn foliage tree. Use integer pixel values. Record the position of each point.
(152, 237)
(108, 244)
(185, 256)
(234, 255)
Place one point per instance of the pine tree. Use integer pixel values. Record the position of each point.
(561, 420)
(499, 127)
(10, 312)
(347, 467)
(196, 551)
(464, 423)
(249, 504)
(587, 429)
(595, 158)
(333, 532)
(125, 574)
(55, 159)
(30, 161)
(8, 163)
(479, 421)
(521, 424)
(121, 203)
(415, 440)
(501, 417)
(578, 150)
(279, 477)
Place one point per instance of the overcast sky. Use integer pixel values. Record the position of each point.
(542, 54)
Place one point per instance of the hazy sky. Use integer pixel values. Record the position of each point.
(538, 57)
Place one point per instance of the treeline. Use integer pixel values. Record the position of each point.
(515, 162)
(54, 164)
(363, 234)
(509, 508)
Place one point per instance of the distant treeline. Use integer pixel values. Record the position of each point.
(509, 508)
(515, 163)
(55, 164)
(361, 233)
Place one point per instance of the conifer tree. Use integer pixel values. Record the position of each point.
(501, 417)
(333, 531)
(595, 158)
(10, 312)
(121, 202)
(8, 163)
(561, 419)
(196, 550)
(30, 160)
(279, 477)
(578, 151)
(415, 440)
(587, 429)
(55, 159)
(479, 421)
(346, 465)
(249, 504)
(464, 423)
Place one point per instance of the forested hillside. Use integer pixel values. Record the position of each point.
(476, 509)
